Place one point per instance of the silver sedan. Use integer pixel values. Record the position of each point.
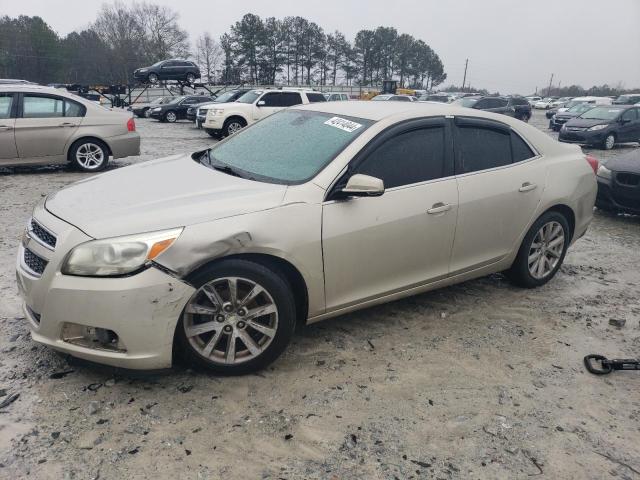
(311, 213)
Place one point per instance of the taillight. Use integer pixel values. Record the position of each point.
(131, 125)
(593, 161)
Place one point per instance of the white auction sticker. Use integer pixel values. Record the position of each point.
(343, 124)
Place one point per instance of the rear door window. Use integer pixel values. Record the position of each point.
(317, 97)
(35, 106)
(289, 99)
(6, 101)
(272, 99)
(480, 147)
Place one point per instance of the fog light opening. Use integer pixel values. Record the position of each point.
(92, 337)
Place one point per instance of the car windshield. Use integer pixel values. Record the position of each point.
(157, 64)
(580, 108)
(466, 102)
(601, 113)
(250, 97)
(225, 97)
(379, 98)
(173, 100)
(271, 149)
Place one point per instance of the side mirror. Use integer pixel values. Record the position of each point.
(261, 103)
(360, 185)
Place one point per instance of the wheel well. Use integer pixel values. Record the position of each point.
(235, 117)
(84, 139)
(283, 268)
(568, 214)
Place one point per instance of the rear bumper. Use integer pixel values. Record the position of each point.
(127, 145)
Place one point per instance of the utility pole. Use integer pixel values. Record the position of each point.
(550, 82)
(464, 80)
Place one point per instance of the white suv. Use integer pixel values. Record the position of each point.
(227, 118)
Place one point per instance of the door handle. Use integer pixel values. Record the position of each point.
(67, 124)
(527, 187)
(439, 208)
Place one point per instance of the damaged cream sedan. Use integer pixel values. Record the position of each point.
(310, 213)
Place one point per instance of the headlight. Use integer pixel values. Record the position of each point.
(118, 255)
(157, 109)
(595, 128)
(142, 70)
(604, 172)
(217, 111)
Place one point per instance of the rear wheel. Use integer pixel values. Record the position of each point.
(609, 141)
(542, 251)
(89, 155)
(239, 320)
(190, 78)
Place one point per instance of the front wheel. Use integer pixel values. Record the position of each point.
(171, 116)
(89, 155)
(190, 78)
(542, 251)
(239, 320)
(233, 125)
(152, 78)
(609, 141)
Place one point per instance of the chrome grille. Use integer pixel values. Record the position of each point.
(41, 234)
(34, 262)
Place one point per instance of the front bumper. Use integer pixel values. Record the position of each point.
(213, 123)
(142, 309)
(583, 137)
(126, 145)
(614, 195)
(156, 115)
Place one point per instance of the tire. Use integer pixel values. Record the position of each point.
(147, 113)
(89, 155)
(609, 141)
(190, 78)
(210, 349)
(212, 133)
(520, 272)
(152, 78)
(233, 125)
(170, 116)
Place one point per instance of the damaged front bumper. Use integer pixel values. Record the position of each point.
(131, 319)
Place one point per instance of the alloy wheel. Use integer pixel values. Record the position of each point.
(90, 156)
(171, 117)
(234, 127)
(609, 142)
(546, 250)
(191, 78)
(230, 320)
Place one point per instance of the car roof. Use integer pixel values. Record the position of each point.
(33, 88)
(377, 111)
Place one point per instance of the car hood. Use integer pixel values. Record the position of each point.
(566, 114)
(166, 193)
(629, 162)
(586, 122)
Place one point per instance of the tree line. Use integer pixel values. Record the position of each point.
(292, 50)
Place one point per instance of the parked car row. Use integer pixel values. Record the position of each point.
(603, 126)
(517, 107)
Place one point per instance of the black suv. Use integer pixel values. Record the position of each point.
(177, 108)
(168, 70)
(603, 126)
(628, 99)
(517, 107)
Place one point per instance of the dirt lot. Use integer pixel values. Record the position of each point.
(480, 380)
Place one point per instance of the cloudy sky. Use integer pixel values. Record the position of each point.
(512, 45)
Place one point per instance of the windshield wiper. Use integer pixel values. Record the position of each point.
(228, 169)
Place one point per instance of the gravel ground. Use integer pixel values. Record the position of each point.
(479, 380)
